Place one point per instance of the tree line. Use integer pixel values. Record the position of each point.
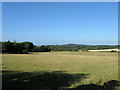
(77, 47)
(25, 47)
(22, 48)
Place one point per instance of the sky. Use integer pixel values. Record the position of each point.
(50, 23)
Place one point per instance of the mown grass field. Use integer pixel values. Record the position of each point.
(99, 67)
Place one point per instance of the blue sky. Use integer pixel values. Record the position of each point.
(61, 23)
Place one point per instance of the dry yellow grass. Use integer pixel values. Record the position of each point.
(99, 65)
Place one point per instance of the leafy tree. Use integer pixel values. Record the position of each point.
(28, 46)
(7, 47)
(41, 48)
(14, 47)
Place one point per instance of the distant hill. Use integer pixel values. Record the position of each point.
(70, 45)
(82, 45)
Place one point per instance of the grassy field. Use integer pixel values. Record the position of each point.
(98, 67)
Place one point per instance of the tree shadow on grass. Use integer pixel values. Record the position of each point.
(56, 80)
(110, 85)
(39, 80)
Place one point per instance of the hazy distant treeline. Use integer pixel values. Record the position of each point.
(77, 47)
(25, 47)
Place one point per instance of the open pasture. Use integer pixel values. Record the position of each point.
(98, 67)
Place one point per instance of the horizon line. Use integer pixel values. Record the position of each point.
(37, 44)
